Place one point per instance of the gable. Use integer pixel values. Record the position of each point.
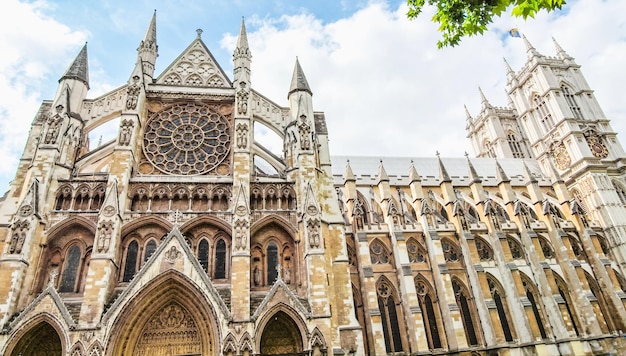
(195, 67)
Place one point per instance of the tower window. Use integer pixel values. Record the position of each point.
(514, 144)
(571, 102)
(544, 114)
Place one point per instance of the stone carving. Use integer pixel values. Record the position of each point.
(26, 210)
(242, 99)
(126, 131)
(105, 231)
(257, 275)
(54, 126)
(108, 211)
(53, 278)
(305, 133)
(133, 93)
(241, 235)
(171, 331)
(172, 254)
(20, 229)
(242, 135)
(313, 228)
(287, 274)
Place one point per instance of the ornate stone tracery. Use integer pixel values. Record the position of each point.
(187, 139)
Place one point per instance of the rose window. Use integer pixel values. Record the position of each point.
(187, 139)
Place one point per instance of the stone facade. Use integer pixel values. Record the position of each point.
(185, 236)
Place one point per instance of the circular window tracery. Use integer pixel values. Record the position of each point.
(187, 139)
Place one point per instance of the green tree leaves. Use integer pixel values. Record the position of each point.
(460, 18)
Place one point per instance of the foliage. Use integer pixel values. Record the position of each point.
(460, 18)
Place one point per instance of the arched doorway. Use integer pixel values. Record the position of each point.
(41, 340)
(281, 336)
(169, 317)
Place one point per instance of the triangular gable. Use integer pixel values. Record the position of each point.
(172, 254)
(48, 298)
(274, 295)
(195, 67)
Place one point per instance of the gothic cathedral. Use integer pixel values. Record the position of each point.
(186, 236)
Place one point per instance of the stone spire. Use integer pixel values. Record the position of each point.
(483, 99)
(79, 70)
(560, 51)
(529, 177)
(509, 70)
(500, 174)
(298, 80)
(382, 174)
(532, 52)
(148, 50)
(443, 173)
(473, 175)
(413, 175)
(468, 118)
(556, 177)
(349, 175)
(242, 56)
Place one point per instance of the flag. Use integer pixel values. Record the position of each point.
(514, 32)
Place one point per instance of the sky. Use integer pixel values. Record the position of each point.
(385, 88)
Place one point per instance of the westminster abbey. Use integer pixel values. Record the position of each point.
(185, 236)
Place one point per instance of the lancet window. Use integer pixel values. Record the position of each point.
(71, 271)
(390, 314)
(465, 304)
(515, 146)
(517, 251)
(430, 312)
(533, 297)
(497, 293)
(485, 252)
(571, 102)
(544, 114)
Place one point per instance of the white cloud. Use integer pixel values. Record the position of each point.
(33, 48)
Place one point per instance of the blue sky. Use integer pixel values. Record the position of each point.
(385, 88)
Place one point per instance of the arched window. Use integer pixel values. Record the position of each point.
(203, 254)
(429, 309)
(272, 262)
(514, 145)
(220, 260)
(450, 251)
(485, 253)
(417, 253)
(564, 293)
(70, 273)
(463, 302)
(571, 102)
(150, 248)
(546, 247)
(544, 114)
(531, 294)
(130, 267)
(389, 317)
(517, 252)
(497, 293)
(605, 316)
(379, 253)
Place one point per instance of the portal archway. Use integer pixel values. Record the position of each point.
(41, 340)
(171, 316)
(281, 336)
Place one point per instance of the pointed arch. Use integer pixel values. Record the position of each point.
(533, 296)
(245, 345)
(230, 345)
(317, 340)
(499, 298)
(466, 305)
(416, 250)
(282, 330)
(431, 315)
(41, 334)
(604, 312)
(171, 304)
(566, 301)
(390, 315)
(379, 252)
